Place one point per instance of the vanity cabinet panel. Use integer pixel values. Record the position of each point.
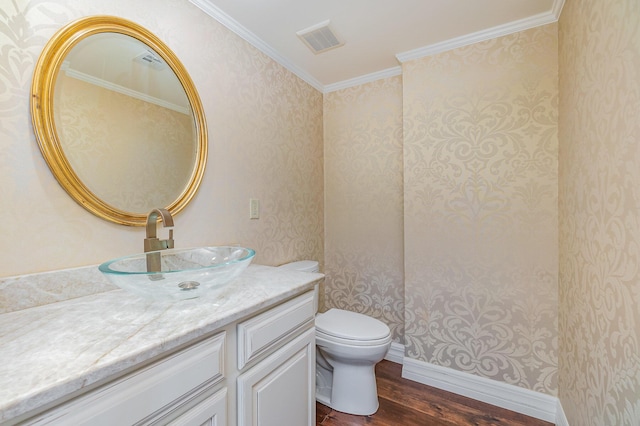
(145, 393)
(264, 332)
(212, 411)
(280, 390)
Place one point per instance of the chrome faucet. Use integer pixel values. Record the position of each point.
(152, 243)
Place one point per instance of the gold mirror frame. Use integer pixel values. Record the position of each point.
(42, 113)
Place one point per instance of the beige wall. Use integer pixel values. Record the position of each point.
(265, 135)
(363, 207)
(480, 211)
(477, 212)
(599, 363)
(484, 292)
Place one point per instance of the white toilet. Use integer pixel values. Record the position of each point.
(348, 346)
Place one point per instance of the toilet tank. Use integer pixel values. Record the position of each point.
(306, 266)
(302, 266)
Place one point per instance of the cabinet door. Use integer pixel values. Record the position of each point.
(280, 391)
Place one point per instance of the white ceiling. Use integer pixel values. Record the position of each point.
(378, 34)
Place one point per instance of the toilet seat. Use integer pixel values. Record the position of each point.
(351, 328)
(322, 338)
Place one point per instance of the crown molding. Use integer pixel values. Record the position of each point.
(70, 72)
(556, 8)
(499, 31)
(513, 27)
(226, 20)
(367, 78)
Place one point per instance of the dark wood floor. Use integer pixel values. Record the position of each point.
(407, 403)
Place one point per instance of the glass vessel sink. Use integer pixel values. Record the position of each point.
(184, 273)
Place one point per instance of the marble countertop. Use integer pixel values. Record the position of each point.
(50, 351)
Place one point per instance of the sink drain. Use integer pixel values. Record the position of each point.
(188, 285)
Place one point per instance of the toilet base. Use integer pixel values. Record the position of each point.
(351, 389)
(324, 378)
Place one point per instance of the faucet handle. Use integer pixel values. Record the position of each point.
(170, 240)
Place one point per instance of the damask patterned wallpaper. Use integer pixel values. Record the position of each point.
(480, 189)
(363, 210)
(122, 161)
(265, 135)
(480, 209)
(599, 377)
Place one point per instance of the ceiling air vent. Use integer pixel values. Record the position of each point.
(151, 60)
(320, 38)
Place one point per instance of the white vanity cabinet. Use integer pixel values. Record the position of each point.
(257, 371)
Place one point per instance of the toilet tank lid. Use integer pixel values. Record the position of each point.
(302, 265)
(351, 325)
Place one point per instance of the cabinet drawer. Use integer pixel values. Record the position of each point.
(262, 332)
(149, 390)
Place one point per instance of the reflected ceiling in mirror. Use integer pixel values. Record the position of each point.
(118, 120)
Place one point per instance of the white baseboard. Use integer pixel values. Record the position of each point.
(514, 398)
(396, 353)
(561, 418)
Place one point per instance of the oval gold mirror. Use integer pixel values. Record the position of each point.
(118, 120)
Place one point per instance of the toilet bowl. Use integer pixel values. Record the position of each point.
(348, 346)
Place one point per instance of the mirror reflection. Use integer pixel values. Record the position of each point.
(118, 119)
(124, 122)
